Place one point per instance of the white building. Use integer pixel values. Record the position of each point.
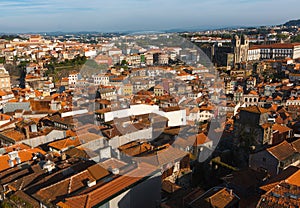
(254, 54)
(101, 79)
(114, 51)
(73, 78)
(251, 99)
(90, 53)
(279, 50)
(175, 118)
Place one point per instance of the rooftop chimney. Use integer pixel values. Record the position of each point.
(91, 183)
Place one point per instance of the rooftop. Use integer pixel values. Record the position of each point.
(282, 151)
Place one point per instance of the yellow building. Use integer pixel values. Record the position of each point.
(127, 89)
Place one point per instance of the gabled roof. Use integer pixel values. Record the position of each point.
(67, 186)
(198, 139)
(102, 191)
(281, 129)
(294, 179)
(162, 157)
(286, 173)
(283, 194)
(296, 145)
(254, 109)
(24, 155)
(282, 151)
(215, 197)
(252, 92)
(13, 135)
(27, 198)
(65, 143)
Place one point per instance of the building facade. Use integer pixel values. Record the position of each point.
(4, 79)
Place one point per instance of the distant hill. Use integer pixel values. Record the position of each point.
(292, 23)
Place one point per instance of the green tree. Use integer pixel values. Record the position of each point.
(296, 39)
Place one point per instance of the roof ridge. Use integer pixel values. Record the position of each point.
(70, 185)
(64, 180)
(87, 201)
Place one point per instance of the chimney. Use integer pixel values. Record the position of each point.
(115, 171)
(91, 183)
(63, 156)
(18, 160)
(27, 132)
(11, 163)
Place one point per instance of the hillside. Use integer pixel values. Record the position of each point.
(292, 23)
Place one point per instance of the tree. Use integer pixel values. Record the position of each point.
(124, 63)
(2, 60)
(296, 39)
(282, 36)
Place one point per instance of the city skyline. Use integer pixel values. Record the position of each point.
(117, 15)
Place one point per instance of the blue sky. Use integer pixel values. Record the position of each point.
(122, 15)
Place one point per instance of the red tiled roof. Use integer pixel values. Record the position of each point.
(280, 128)
(90, 198)
(254, 109)
(294, 179)
(25, 155)
(65, 143)
(71, 184)
(198, 139)
(296, 145)
(282, 195)
(282, 151)
(13, 135)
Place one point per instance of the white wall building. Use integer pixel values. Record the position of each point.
(101, 79)
(175, 118)
(73, 78)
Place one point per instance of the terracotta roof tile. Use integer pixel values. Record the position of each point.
(254, 109)
(280, 128)
(65, 143)
(294, 179)
(296, 145)
(25, 155)
(95, 195)
(282, 151)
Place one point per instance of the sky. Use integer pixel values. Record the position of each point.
(141, 15)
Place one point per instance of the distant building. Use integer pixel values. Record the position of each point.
(101, 79)
(279, 51)
(254, 53)
(240, 48)
(4, 79)
(158, 90)
(73, 78)
(35, 39)
(251, 99)
(127, 89)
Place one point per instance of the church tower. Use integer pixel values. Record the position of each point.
(240, 48)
